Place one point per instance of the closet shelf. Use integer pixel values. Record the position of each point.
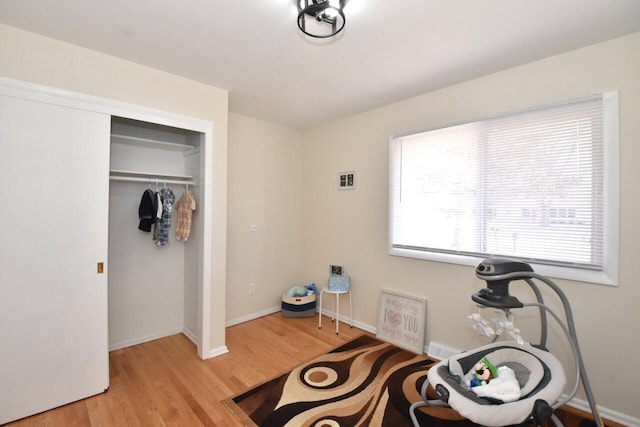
(159, 178)
(149, 143)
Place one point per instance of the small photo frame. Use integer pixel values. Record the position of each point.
(347, 180)
(401, 320)
(336, 270)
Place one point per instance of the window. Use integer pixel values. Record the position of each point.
(539, 185)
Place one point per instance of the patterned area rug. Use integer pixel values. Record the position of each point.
(366, 382)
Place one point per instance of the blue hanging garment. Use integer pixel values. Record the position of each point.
(168, 199)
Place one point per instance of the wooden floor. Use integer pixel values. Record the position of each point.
(163, 382)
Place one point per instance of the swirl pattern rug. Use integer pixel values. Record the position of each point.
(366, 382)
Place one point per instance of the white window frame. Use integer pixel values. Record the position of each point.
(611, 159)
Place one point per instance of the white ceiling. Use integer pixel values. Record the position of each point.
(389, 50)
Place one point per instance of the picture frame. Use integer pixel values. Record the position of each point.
(347, 180)
(402, 320)
(336, 270)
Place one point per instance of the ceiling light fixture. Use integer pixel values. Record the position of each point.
(321, 18)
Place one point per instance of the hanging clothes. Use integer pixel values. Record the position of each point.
(157, 215)
(185, 207)
(168, 199)
(146, 211)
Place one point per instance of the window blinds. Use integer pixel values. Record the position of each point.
(527, 185)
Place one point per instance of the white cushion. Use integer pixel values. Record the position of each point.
(496, 415)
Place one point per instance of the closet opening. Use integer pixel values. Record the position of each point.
(154, 272)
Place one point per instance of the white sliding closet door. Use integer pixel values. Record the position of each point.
(54, 165)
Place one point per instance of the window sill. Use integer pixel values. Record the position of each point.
(556, 272)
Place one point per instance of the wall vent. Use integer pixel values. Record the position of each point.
(440, 351)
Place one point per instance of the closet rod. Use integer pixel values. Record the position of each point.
(190, 183)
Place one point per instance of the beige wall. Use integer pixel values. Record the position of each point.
(265, 188)
(350, 227)
(286, 182)
(32, 58)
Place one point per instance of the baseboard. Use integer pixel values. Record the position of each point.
(616, 417)
(276, 309)
(218, 351)
(364, 327)
(252, 316)
(146, 338)
(193, 337)
(345, 319)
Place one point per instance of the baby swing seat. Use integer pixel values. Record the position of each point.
(509, 382)
(539, 374)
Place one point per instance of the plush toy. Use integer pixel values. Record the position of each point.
(297, 291)
(302, 291)
(483, 372)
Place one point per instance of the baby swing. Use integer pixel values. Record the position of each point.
(508, 382)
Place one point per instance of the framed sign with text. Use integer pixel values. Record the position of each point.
(401, 320)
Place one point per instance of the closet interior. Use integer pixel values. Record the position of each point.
(153, 290)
